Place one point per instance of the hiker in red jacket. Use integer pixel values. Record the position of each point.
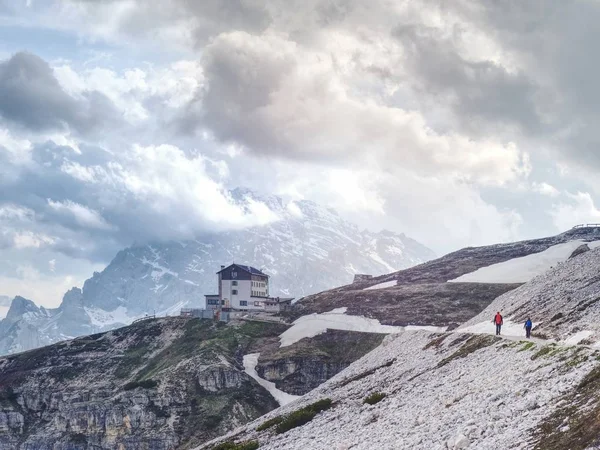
(499, 322)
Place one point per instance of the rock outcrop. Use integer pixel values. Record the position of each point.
(160, 384)
(301, 367)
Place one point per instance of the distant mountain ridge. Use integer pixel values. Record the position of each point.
(307, 250)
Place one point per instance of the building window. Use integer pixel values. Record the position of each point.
(214, 302)
(234, 292)
(234, 283)
(233, 274)
(256, 303)
(243, 303)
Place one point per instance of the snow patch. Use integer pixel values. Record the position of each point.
(315, 324)
(578, 337)
(102, 318)
(521, 270)
(387, 284)
(375, 257)
(429, 328)
(250, 362)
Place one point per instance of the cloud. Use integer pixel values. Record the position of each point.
(83, 215)
(31, 96)
(482, 94)
(179, 23)
(92, 203)
(545, 189)
(428, 117)
(544, 49)
(45, 289)
(580, 209)
(274, 99)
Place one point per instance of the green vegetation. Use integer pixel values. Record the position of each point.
(578, 357)
(545, 350)
(370, 372)
(132, 359)
(248, 445)
(270, 423)
(375, 397)
(576, 425)
(526, 346)
(205, 337)
(436, 342)
(472, 344)
(144, 384)
(303, 415)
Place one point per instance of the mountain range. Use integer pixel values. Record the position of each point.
(307, 249)
(440, 379)
(463, 388)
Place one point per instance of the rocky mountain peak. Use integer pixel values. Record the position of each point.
(296, 250)
(21, 306)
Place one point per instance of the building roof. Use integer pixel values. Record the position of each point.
(248, 269)
(211, 295)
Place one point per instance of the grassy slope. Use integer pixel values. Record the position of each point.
(160, 359)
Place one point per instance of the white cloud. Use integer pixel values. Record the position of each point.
(277, 99)
(131, 89)
(581, 209)
(545, 189)
(45, 289)
(169, 183)
(18, 149)
(28, 239)
(83, 215)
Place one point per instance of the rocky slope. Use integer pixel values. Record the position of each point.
(305, 365)
(466, 389)
(449, 391)
(160, 384)
(563, 303)
(297, 250)
(422, 295)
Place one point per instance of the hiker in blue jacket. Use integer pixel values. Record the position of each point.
(528, 326)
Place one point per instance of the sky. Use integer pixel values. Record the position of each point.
(458, 122)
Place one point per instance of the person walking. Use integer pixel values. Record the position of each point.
(499, 321)
(528, 326)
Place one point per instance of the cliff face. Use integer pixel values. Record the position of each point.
(156, 385)
(301, 367)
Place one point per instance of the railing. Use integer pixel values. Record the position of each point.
(144, 318)
(587, 225)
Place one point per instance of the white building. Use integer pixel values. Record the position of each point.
(244, 288)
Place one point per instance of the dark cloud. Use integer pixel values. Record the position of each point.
(482, 94)
(553, 42)
(241, 77)
(31, 96)
(207, 18)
